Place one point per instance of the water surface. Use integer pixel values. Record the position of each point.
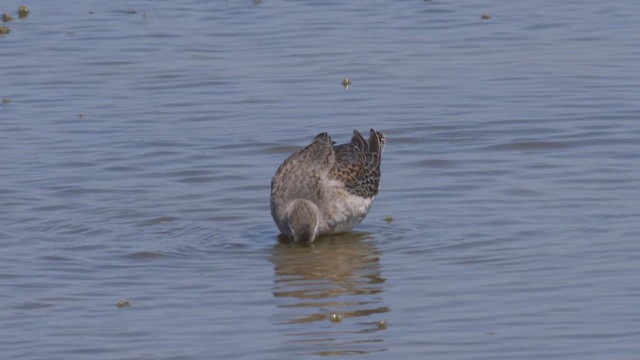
(138, 140)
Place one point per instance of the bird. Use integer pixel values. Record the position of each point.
(326, 188)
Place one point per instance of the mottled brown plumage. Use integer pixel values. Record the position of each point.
(324, 188)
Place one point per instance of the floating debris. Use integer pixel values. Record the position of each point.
(346, 83)
(131, 11)
(4, 30)
(6, 17)
(123, 303)
(485, 17)
(388, 219)
(80, 116)
(6, 100)
(382, 325)
(336, 318)
(23, 11)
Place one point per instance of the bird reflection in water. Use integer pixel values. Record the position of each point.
(336, 277)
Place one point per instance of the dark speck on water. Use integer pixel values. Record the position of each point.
(123, 303)
(346, 83)
(23, 11)
(509, 181)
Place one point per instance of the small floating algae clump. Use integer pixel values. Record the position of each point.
(4, 30)
(346, 83)
(335, 318)
(23, 11)
(6, 17)
(123, 303)
(6, 100)
(485, 17)
(382, 325)
(389, 219)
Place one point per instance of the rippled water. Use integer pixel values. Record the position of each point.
(138, 140)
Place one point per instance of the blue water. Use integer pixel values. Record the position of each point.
(138, 140)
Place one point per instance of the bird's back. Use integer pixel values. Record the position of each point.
(337, 183)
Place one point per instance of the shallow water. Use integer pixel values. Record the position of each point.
(138, 147)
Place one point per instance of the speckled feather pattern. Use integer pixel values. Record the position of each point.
(357, 164)
(326, 188)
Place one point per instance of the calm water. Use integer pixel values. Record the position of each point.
(137, 150)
